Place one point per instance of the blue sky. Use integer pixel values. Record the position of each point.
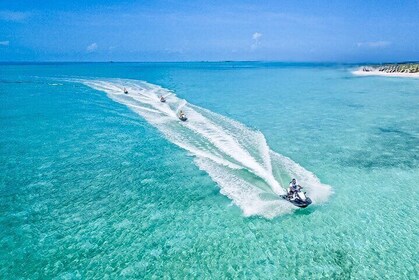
(334, 31)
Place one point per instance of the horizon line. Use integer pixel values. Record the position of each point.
(206, 61)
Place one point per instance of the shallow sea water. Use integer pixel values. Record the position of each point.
(92, 188)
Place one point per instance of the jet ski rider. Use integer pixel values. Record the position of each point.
(294, 187)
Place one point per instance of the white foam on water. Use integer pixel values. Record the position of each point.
(236, 157)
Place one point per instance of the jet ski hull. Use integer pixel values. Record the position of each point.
(298, 202)
(183, 119)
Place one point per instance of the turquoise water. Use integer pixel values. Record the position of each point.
(97, 184)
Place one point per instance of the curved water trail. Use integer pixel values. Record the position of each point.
(236, 157)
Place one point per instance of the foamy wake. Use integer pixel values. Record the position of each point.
(236, 157)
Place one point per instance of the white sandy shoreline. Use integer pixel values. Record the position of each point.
(360, 72)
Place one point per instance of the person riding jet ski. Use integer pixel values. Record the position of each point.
(125, 91)
(182, 116)
(296, 196)
(162, 99)
(293, 187)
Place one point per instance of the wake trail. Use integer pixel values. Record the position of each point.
(236, 157)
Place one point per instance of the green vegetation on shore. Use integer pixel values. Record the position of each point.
(394, 68)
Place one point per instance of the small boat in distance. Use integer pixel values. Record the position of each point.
(125, 91)
(182, 116)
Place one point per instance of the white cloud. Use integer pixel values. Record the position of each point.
(13, 16)
(256, 36)
(91, 48)
(376, 44)
(4, 43)
(256, 40)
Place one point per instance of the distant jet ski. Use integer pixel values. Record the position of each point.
(162, 99)
(125, 91)
(182, 116)
(298, 198)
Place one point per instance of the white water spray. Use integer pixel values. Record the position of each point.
(236, 157)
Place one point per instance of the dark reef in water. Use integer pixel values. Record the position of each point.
(388, 147)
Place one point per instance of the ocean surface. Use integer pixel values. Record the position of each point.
(98, 184)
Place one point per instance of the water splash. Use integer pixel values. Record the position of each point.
(236, 157)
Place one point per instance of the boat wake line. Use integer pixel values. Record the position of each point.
(236, 157)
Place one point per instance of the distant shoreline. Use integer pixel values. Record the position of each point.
(406, 70)
(360, 72)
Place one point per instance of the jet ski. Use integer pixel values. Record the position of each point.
(162, 99)
(182, 117)
(125, 91)
(298, 198)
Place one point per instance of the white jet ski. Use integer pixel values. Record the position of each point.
(298, 198)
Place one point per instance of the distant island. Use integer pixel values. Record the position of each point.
(408, 69)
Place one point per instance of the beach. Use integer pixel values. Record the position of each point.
(375, 72)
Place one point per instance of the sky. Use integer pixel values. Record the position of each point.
(168, 30)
